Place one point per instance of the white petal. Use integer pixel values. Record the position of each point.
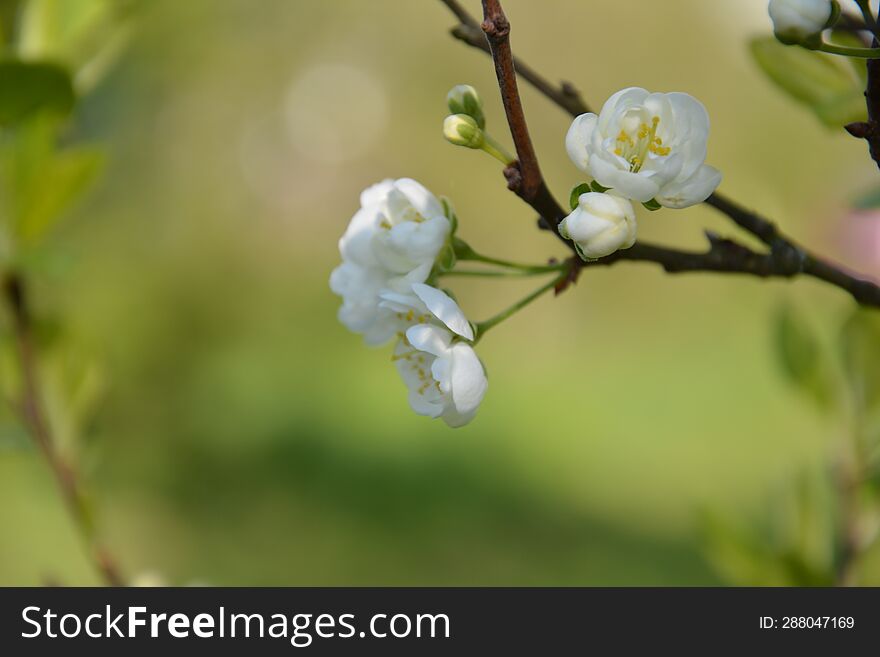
(469, 382)
(419, 274)
(400, 303)
(375, 194)
(633, 186)
(421, 199)
(410, 244)
(381, 330)
(616, 237)
(577, 140)
(441, 371)
(695, 189)
(619, 103)
(424, 406)
(356, 243)
(582, 226)
(445, 309)
(430, 339)
(691, 131)
(454, 419)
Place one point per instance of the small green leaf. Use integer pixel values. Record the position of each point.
(576, 192)
(827, 84)
(801, 357)
(580, 252)
(652, 205)
(27, 88)
(463, 250)
(449, 212)
(596, 187)
(860, 352)
(446, 260)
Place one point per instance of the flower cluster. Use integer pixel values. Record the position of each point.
(644, 147)
(389, 253)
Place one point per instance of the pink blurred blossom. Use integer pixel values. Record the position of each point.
(860, 241)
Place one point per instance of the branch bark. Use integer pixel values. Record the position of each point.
(785, 258)
(30, 408)
(870, 130)
(787, 250)
(497, 29)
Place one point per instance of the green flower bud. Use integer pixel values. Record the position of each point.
(464, 99)
(462, 130)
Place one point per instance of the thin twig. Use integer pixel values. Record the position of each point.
(785, 259)
(31, 408)
(788, 251)
(470, 32)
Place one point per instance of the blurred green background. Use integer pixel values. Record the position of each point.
(244, 437)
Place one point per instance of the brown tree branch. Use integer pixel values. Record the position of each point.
(785, 249)
(31, 409)
(785, 258)
(497, 29)
(469, 31)
(870, 130)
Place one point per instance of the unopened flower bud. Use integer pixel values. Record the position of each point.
(600, 224)
(464, 99)
(800, 21)
(462, 130)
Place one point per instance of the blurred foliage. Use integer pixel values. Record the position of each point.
(860, 350)
(801, 356)
(831, 86)
(791, 543)
(30, 88)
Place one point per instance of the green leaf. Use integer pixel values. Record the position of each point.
(64, 179)
(596, 187)
(827, 84)
(42, 182)
(859, 65)
(801, 357)
(583, 188)
(449, 212)
(652, 205)
(447, 259)
(27, 88)
(860, 352)
(462, 249)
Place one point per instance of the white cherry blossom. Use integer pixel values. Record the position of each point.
(444, 377)
(646, 146)
(391, 243)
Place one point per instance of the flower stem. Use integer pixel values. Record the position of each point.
(465, 252)
(483, 327)
(497, 151)
(865, 6)
(864, 53)
(539, 271)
